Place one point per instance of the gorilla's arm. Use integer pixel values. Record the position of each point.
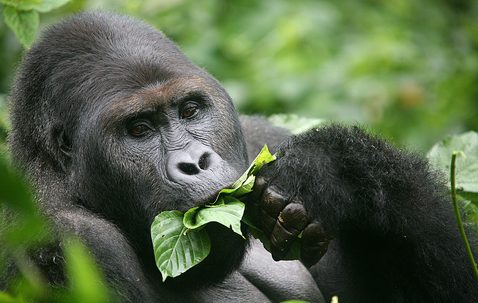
(111, 250)
(395, 237)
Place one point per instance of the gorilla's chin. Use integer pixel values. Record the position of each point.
(227, 252)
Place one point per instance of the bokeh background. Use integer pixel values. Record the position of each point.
(407, 69)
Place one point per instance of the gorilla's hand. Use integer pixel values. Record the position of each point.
(286, 199)
(327, 181)
(283, 218)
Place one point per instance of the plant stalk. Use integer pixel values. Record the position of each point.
(458, 216)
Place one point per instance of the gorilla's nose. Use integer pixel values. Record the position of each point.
(193, 161)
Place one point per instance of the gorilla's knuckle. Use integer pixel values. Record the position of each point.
(293, 217)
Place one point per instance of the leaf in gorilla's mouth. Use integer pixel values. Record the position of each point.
(179, 240)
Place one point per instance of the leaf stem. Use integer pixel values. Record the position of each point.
(458, 216)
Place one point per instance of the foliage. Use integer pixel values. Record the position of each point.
(179, 240)
(406, 68)
(23, 229)
(466, 145)
(4, 123)
(463, 171)
(177, 248)
(459, 221)
(23, 16)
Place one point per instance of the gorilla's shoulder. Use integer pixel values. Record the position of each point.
(259, 131)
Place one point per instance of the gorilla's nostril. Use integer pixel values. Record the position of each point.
(188, 168)
(204, 161)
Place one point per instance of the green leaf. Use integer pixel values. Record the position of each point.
(14, 191)
(41, 6)
(85, 279)
(244, 184)
(294, 123)
(176, 248)
(23, 23)
(227, 213)
(180, 242)
(6, 298)
(466, 162)
(470, 211)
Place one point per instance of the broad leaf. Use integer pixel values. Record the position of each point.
(176, 248)
(466, 162)
(228, 213)
(23, 23)
(180, 242)
(41, 6)
(6, 298)
(84, 275)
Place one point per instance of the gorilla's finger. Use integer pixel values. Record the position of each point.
(267, 222)
(272, 201)
(258, 190)
(253, 200)
(293, 217)
(314, 243)
(291, 221)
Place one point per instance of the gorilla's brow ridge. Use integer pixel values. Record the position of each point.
(154, 97)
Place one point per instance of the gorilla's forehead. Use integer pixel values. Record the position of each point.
(107, 53)
(101, 60)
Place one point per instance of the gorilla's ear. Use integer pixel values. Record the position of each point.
(64, 146)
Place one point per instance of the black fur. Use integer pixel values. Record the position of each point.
(396, 239)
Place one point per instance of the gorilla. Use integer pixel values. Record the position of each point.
(113, 124)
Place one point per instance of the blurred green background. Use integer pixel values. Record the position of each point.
(406, 68)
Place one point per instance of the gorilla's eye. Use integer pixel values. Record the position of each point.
(189, 111)
(139, 129)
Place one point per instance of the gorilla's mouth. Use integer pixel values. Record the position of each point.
(211, 198)
(227, 252)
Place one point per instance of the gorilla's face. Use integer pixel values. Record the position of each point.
(171, 145)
